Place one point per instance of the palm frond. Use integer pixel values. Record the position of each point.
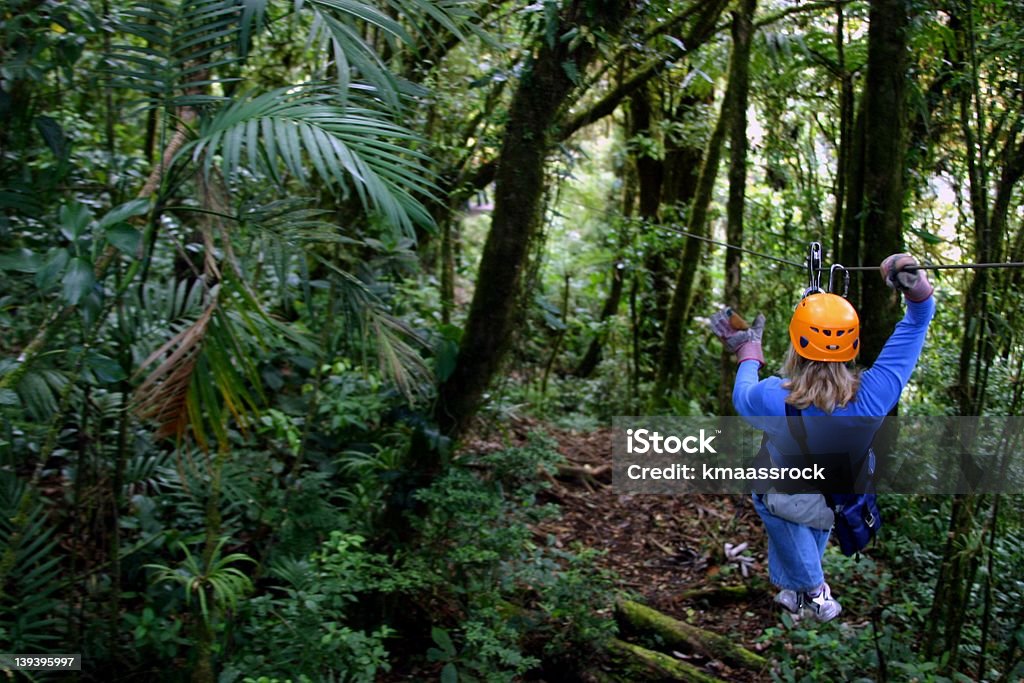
(430, 18)
(253, 16)
(163, 395)
(397, 358)
(393, 339)
(336, 31)
(294, 221)
(350, 148)
(39, 390)
(338, 28)
(28, 608)
(203, 378)
(167, 52)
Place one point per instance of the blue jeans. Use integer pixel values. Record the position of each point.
(794, 551)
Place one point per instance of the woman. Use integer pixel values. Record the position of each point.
(818, 380)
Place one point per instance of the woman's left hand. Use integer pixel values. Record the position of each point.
(745, 343)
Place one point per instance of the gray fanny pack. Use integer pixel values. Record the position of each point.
(809, 509)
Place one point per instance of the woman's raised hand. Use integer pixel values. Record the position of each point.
(741, 339)
(900, 272)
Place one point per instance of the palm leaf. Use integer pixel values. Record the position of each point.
(27, 605)
(203, 378)
(296, 129)
(397, 358)
(163, 397)
(339, 26)
(166, 52)
(394, 341)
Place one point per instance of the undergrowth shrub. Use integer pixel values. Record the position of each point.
(501, 597)
(511, 596)
(301, 626)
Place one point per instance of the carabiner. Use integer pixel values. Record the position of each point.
(846, 278)
(813, 269)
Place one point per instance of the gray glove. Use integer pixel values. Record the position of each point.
(913, 283)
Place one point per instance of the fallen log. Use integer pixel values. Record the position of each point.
(679, 635)
(629, 663)
(724, 593)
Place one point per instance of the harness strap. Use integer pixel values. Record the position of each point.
(795, 422)
(796, 428)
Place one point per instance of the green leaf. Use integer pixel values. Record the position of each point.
(572, 71)
(91, 307)
(8, 397)
(22, 261)
(74, 218)
(54, 136)
(446, 355)
(105, 369)
(78, 281)
(119, 214)
(49, 273)
(304, 130)
(927, 237)
(37, 396)
(443, 640)
(449, 674)
(127, 239)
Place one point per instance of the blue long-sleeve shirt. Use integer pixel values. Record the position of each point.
(851, 427)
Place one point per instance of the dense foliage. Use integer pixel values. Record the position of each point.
(264, 271)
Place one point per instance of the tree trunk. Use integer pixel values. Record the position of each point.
(884, 149)
(447, 270)
(853, 218)
(739, 82)
(515, 224)
(650, 171)
(845, 133)
(679, 308)
(592, 357)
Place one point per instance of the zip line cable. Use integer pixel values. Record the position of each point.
(731, 246)
(950, 266)
(788, 262)
(954, 266)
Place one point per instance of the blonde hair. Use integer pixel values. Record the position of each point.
(823, 384)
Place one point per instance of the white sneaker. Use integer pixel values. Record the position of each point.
(823, 606)
(789, 600)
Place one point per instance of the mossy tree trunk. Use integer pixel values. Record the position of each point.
(739, 86)
(650, 171)
(670, 358)
(531, 129)
(873, 216)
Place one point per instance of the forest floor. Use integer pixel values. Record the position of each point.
(668, 552)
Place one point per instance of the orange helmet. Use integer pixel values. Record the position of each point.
(825, 327)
